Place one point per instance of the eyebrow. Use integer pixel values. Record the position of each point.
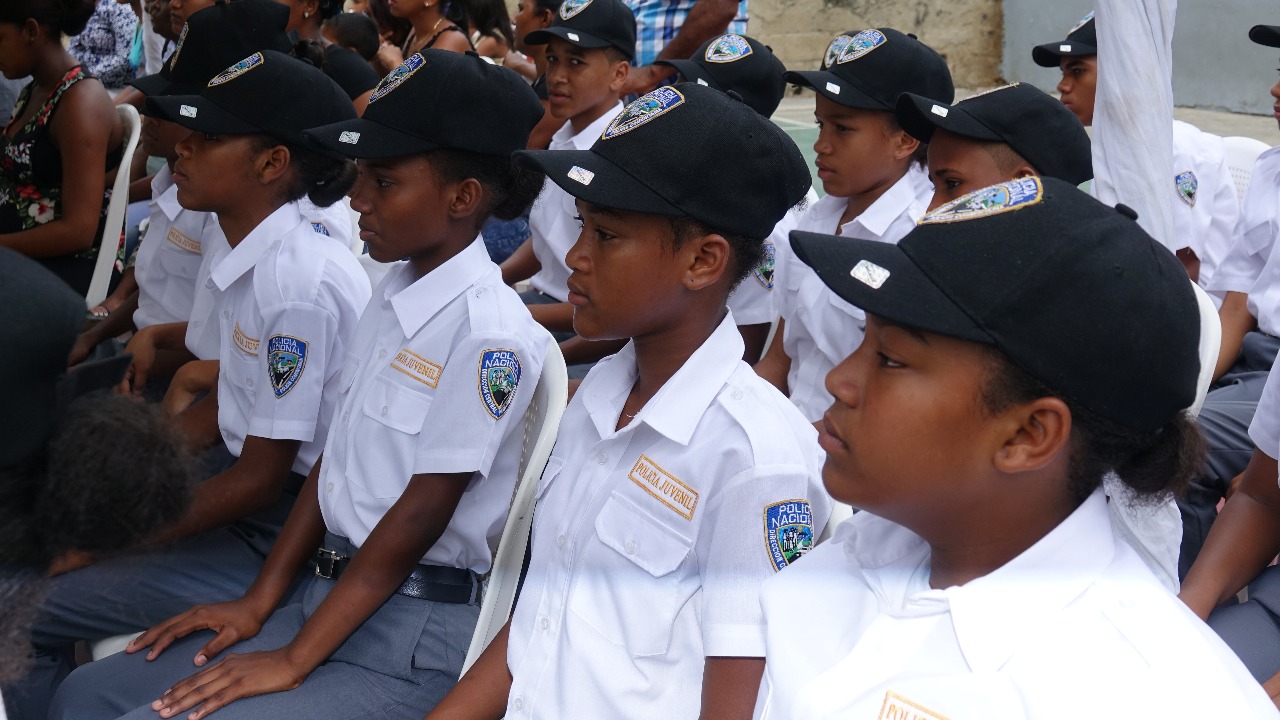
(914, 332)
(602, 210)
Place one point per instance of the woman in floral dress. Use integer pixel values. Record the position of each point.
(60, 142)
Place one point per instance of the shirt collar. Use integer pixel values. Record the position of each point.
(417, 301)
(565, 138)
(895, 201)
(244, 256)
(165, 193)
(679, 405)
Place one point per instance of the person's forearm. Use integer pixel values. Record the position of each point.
(1244, 539)
(119, 322)
(706, 19)
(298, 541)
(482, 692)
(730, 686)
(521, 265)
(55, 238)
(1236, 323)
(168, 336)
(197, 425)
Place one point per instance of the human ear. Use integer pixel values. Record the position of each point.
(31, 29)
(708, 259)
(1040, 432)
(904, 146)
(272, 164)
(1024, 171)
(621, 70)
(468, 196)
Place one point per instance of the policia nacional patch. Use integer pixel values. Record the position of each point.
(286, 359)
(499, 378)
(788, 531)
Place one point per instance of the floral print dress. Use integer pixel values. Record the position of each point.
(31, 179)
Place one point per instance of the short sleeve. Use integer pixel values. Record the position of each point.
(294, 361)
(485, 386)
(1264, 430)
(759, 523)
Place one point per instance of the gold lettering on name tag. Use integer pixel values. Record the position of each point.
(417, 367)
(185, 242)
(896, 707)
(664, 486)
(244, 342)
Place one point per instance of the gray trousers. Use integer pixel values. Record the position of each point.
(1225, 419)
(398, 664)
(1252, 629)
(132, 592)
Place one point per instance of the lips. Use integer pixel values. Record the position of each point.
(828, 438)
(576, 296)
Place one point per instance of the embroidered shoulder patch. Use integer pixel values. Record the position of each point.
(286, 358)
(1083, 21)
(764, 271)
(569, 8)
(499, 377)
(836, 47)
(727, 48)
(320, 228)
(861, 44)
(788, 531)
(248, 345)
(397, 76)
(1187, 185)
(417, 367)
(664, 486)
(177, 49)
(238, 69)
(645, 109)
(994, 200)
(182, 240)
(896, 707)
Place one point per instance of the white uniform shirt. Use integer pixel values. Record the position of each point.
(1205, 207)
(169, 256)
(285, 302)
(552, 226)
(1248, 266)
(427, 357)
(821, 329)
(650, 542)
(1074, 627)
(752, 301)
(1264, 429)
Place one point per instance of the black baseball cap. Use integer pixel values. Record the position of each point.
(686, 150)
(268, 92)
(871, 68)
(1072, 291)
(591, 24)
(1268, 35)
(737, 63)
(214, 38)
(1035, 125)
(42, 323)
(1081, 41)
(439, 99)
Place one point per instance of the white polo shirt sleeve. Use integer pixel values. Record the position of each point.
(1264, 430)
(293, 362)
(486, 384)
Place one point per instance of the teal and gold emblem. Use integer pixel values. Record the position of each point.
(861, 44)
(788, 531)
(238, 69)
(1187, 185)
(569, 8)
(994, 200)
(499, 378)
(286, 359)
(643, 110)
(397, 76)
(727, 48)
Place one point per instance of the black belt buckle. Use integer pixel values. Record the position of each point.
(328, 563)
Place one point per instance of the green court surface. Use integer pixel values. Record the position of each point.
(795, 117)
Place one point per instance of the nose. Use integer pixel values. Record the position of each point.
(822, 145)
(1275, 91)
(183, 148)
(359, 203)
(576, 258)
(1064, 85)
(843, 380)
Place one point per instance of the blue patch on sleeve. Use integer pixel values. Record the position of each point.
(286, 359)
(499, 378)
(788, 531)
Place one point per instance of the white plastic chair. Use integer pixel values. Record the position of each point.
(541, 422)
(1241, 153)
(1210, 345)
(357, 245)
(109, 244)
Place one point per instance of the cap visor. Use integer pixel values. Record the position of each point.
(569, 35)
(197, 113)
(838, 91)
(882, 280)
(1268, 35)
(589, 177)
(690, 71)
(153, 84)
(366, 139)
(920, 116)
(1050, 54)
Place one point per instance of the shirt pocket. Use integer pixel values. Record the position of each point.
(244, 371)
(179, 277)
(394, 418)
(628, 588)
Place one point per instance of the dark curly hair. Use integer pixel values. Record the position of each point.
(64, 17)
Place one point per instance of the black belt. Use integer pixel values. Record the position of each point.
(454, 586)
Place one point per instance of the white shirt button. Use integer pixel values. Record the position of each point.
(328, 487)
(517, 704)
(249, 382)
(602, 458)
(382, 352)
(545, 623)
(346, 416)
(226, 314)
(561, 542)
(630, 547)
(384, 411)
(736, 394)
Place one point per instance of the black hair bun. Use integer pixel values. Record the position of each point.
(75, 15)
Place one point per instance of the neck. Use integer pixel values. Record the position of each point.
(859, 203)
(427, 21)
(52, 62)
(580, 121)
(310, 30)
(660, 355)
(440, 253)
(242, 220)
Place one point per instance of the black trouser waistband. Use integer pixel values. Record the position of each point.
(436, 583)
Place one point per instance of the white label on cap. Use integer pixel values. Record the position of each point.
(1064, 48)
(349, 137)
(582, 175)
(572, 36)
(940, 111)
(187, 111)
(833, 88)
(869, 273)
(703, 82)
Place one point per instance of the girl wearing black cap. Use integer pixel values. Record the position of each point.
(62, 141)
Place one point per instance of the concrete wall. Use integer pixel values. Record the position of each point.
(966, 32)
(1214, 64)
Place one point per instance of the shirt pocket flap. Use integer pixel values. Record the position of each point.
(649, 544)
(399, 408)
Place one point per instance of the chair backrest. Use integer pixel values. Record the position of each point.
(1241, 153)
(1210, 345)
(109, 243)
(541, 422)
